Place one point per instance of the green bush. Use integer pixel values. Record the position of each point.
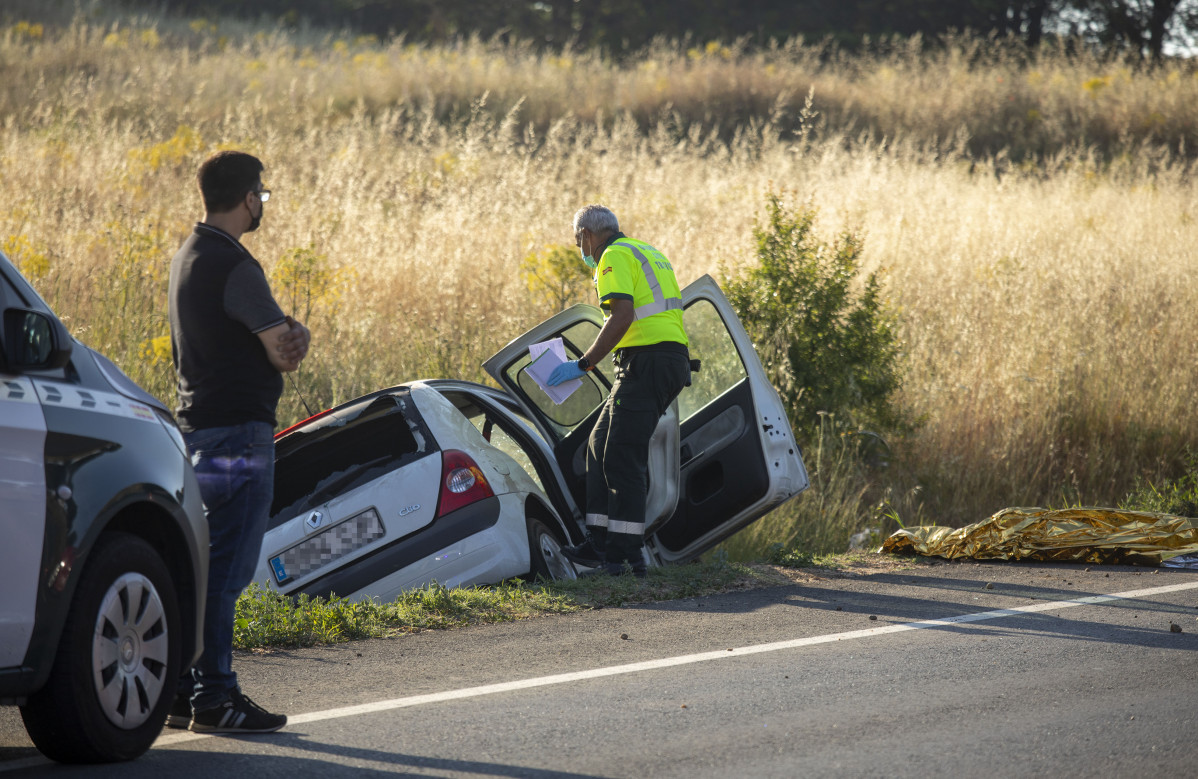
(1177, 496)
(557, 278)
(824, 335)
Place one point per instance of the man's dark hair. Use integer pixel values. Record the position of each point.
(226, 177)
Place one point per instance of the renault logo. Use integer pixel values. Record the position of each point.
(314, 519)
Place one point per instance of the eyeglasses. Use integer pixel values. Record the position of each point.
(263, 195)
(578, 238)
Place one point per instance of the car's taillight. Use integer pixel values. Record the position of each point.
(462, 482)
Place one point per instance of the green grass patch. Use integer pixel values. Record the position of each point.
(800, 558)
(670, 582)
(264, 618)
(792, 558)
(847, 563)
(1170, 496)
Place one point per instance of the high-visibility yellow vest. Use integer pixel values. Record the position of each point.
(634, 270)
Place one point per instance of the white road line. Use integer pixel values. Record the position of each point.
(169, 739)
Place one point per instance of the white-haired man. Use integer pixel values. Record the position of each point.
(643, 323)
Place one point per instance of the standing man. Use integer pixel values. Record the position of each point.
(231, 345)
(643, 323)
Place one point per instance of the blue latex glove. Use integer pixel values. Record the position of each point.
(565, 372)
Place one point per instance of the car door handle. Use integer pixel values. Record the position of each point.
(687, 458)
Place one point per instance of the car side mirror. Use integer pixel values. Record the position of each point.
(34, 341)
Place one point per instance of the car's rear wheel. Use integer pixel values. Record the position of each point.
(118, 659)
(545, 553)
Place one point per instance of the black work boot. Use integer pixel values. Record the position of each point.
(625, 568)
(585, 554)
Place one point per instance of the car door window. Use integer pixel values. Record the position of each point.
(722, 368)
(592, 393)
(494, 429)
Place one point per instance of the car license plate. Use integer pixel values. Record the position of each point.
(326, 547)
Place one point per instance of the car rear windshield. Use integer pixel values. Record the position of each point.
(345, 449)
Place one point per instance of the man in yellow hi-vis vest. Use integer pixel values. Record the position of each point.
(643, 323)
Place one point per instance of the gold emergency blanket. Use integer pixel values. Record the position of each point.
(1089, 535)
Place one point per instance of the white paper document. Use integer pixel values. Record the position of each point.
(546, 356)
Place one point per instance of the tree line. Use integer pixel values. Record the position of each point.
(1147, 27)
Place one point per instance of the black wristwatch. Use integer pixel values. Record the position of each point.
(584, 364)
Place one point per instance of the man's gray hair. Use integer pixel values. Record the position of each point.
(598, 219)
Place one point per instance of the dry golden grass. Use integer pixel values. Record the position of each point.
(1047, 311)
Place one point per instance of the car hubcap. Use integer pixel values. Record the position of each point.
(129, 651)
(558, 566)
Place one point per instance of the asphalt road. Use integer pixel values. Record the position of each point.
(1042, 673)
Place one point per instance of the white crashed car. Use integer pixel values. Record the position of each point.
(459, 483)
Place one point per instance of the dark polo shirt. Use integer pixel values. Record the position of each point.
(219, 302)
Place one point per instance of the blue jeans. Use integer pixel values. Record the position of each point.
(236, 468)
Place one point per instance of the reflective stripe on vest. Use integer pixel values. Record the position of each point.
(660, 303)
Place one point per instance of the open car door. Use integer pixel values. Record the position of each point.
(739, 458)
(732, 456)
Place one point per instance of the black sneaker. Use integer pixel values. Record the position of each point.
(585, 554)
(180, 714)
(236, 715)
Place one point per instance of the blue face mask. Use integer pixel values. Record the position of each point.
(586, 258)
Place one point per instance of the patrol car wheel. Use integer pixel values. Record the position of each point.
(545, 553)
(114, 675)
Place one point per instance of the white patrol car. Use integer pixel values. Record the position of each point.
(104, 560)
